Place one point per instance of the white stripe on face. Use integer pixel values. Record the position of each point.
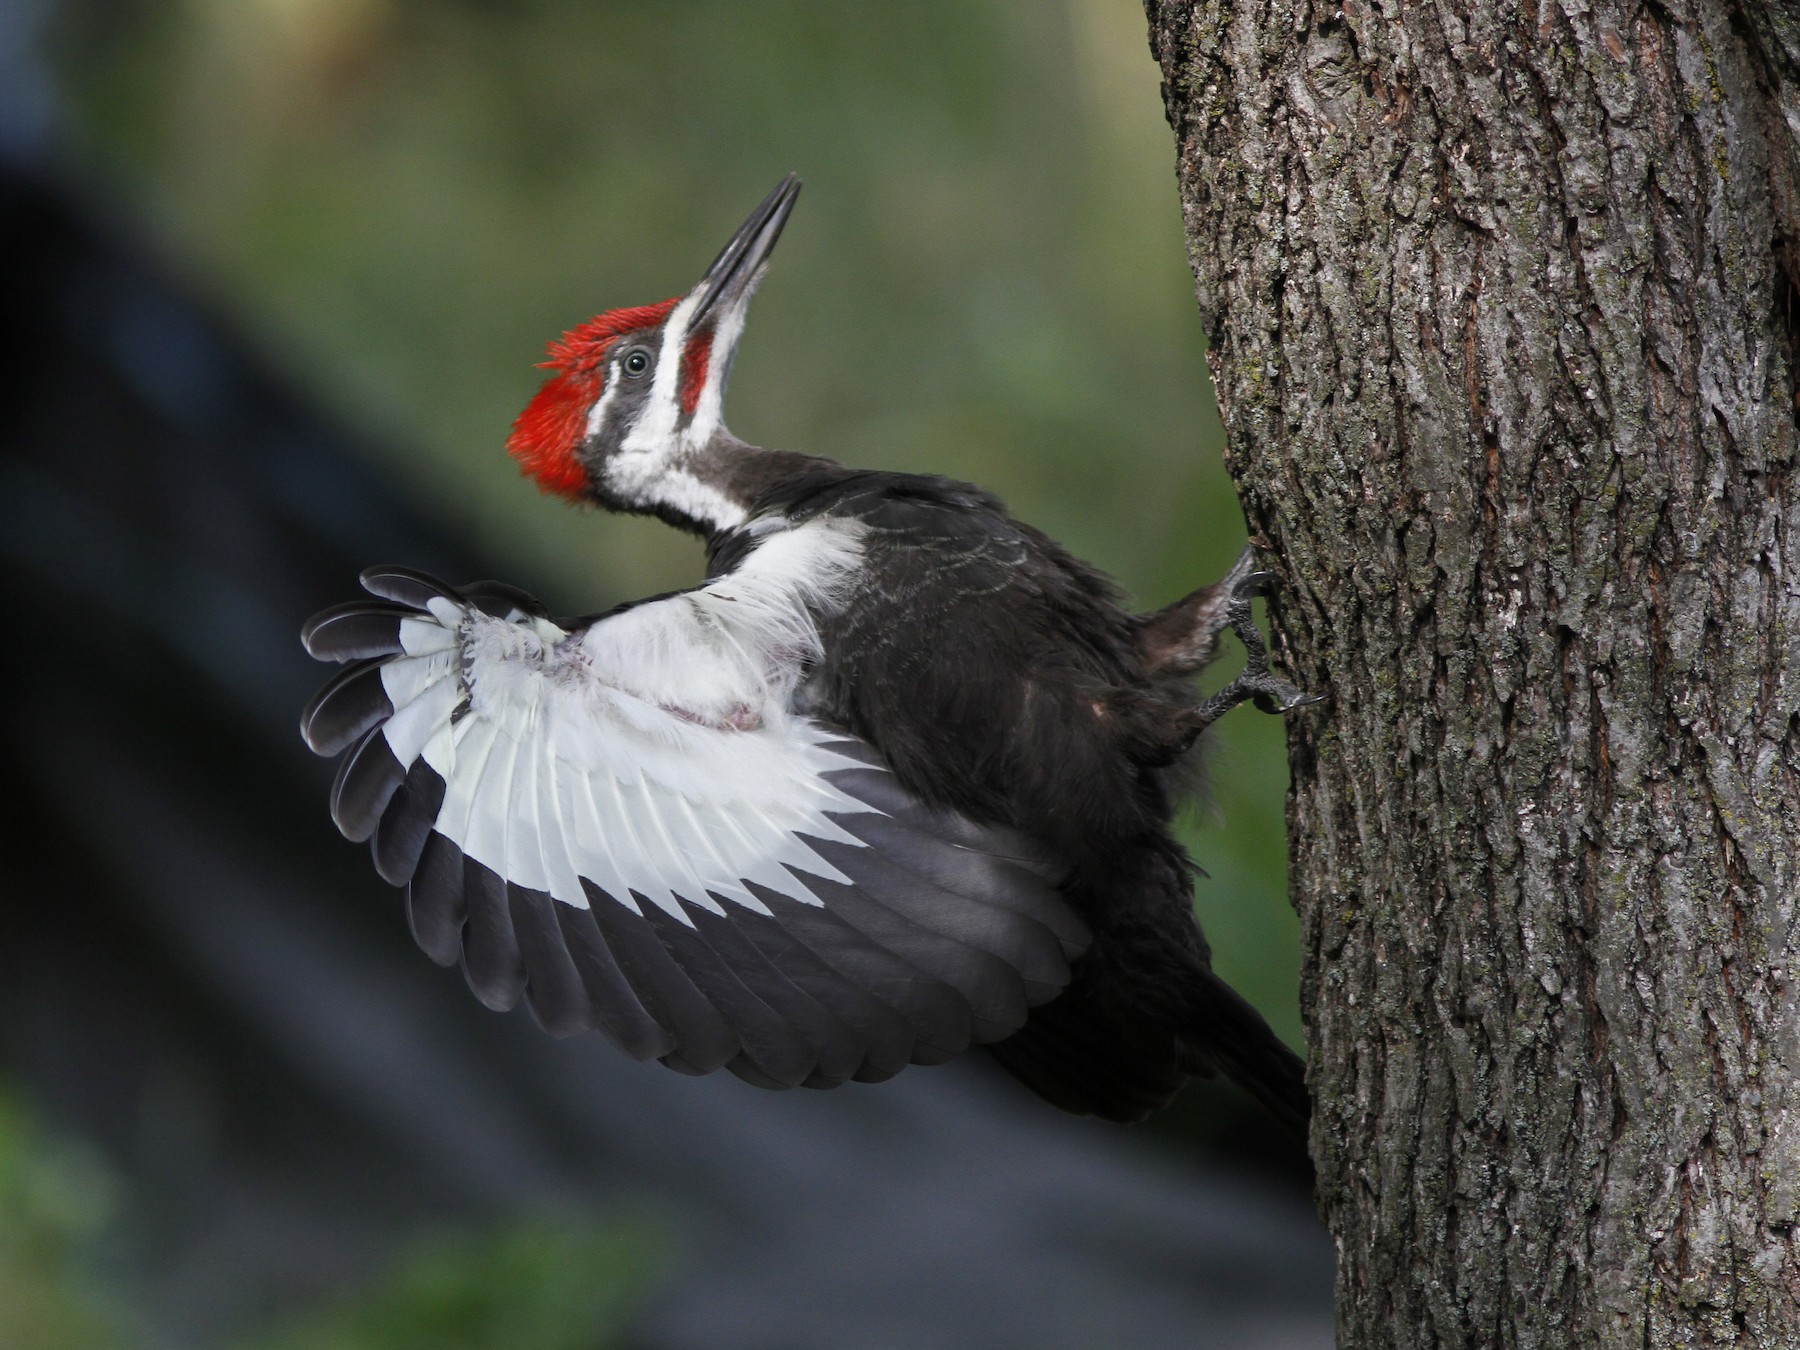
(657, 425)
(597, 414)
(709, 413)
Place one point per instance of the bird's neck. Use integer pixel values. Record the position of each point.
(711, 489)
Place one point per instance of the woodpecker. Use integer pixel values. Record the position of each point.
(895, 780)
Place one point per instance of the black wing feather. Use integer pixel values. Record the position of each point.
(554, 990)
(908, 915)
(407, 587)
(966, 899)
(355, 630)
(405, 826)
(367, 780)
(836, 1053)
(616, 1007)
(884, 1034)
(704, 1040)
(352, 703)
(492, 963)
(763, 1034)
(435, 907)
(938, 1016)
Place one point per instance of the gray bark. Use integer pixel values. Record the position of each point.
(1502, 306)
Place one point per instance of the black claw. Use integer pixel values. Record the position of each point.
(1257, 583)
(1282, 697)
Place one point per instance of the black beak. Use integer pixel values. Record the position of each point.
(735, 270)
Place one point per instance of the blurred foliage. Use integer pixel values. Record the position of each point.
(528, 1284)
(56, 1205)
(400, 201)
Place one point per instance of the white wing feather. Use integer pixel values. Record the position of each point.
(650, 752)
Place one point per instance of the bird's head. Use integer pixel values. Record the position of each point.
(635, 400)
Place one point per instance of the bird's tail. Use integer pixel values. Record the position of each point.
(1087, 1057)
(1232, 1035)
(1144, 1011)
(1088, 1053)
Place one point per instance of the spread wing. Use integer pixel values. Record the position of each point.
(622, 822)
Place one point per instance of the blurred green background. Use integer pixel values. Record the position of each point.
(400, 201)
(526, 1284)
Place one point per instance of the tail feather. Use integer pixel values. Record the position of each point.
(1143, 1011)
(1233, 1036)
(1090, 1053)
(1083, 1062)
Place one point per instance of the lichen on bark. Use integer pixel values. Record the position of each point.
(1502, 305)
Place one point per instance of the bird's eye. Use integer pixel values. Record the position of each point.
(636, 362)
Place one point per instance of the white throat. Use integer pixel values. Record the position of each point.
(665, 479)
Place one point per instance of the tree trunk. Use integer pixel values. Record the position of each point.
(1502, 305)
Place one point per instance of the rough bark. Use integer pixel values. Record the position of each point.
(1502, 304)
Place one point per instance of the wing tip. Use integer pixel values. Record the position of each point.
(406, 586)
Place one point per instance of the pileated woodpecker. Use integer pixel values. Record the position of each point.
(895, 780)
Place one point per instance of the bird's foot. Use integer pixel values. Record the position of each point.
(1255, 683)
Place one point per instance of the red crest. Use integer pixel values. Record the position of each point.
(548, 433)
